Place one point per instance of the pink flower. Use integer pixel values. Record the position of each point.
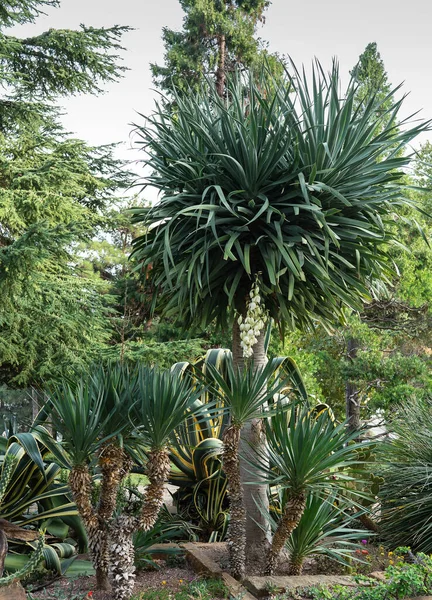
(364, 541)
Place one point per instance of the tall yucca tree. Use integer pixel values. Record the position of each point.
(276, 183)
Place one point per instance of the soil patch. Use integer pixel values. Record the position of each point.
(170, 578)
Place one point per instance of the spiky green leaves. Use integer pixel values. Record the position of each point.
(248, 393)
(283, 181)
(309, 453)
(164, 400)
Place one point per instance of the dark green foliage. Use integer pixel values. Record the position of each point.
(255, 184)
(53, 192)
(303, 449)
(327, 527)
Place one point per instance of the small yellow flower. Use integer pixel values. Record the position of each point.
(180, 580)
(382, 553)
(390, 553)
(164, 582)
(391, 562)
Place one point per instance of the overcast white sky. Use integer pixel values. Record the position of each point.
(321, 28)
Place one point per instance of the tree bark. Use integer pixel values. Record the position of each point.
(352, 396)
(220, 73)
(237, 524)
(253, 442)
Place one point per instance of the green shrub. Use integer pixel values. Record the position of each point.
(406, 493)
(402, 581)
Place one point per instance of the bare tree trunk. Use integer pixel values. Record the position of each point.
(220, 73)
(253, 441)
(352, 396)
(237, 523)
(34, 403)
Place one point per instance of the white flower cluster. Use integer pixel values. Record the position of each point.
(253, 323)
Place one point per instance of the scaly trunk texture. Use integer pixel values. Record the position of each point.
(293, 511)
(352, 397)
(122, 556)
(114, 464)
(295, 565)
(123, 528)
(80, 483)
(158, 468)
(111, 462)
(253, 441)
(369, 523)
(237, 524)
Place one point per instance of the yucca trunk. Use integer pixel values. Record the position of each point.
(253, 441)
(237, 523)
(80, 482)
(293, 512)
(123, 555)
(123, 528)
(114, 464)
(295, 565)
(112, 460)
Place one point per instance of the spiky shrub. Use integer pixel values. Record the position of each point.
(308, 454)
(30, 477)
(195, 455)
(197, 447)
(111, 418)
(163, 402)
(91, 413)
(406, 493)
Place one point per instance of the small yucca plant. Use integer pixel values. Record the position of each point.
(308, 454)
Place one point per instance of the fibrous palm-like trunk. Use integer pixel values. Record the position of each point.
(253, 442)
(122, 528)
(292, 514)
(122, 555)
(237, 524)
(295, 565)
(158, 468)
(80, 482)
(114, 464)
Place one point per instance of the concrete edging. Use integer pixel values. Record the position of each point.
(204, 565)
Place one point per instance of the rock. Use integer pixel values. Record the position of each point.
(199, 560)
(379, 575)
(236, 589)
(259, 586)
(14, 591)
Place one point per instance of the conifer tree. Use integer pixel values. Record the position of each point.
(217, 36)
(54, 191)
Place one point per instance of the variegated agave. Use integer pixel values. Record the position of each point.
(33, 497)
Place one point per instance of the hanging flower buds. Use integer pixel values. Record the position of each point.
(254, 321)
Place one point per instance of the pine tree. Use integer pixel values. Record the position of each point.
(217, 36)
